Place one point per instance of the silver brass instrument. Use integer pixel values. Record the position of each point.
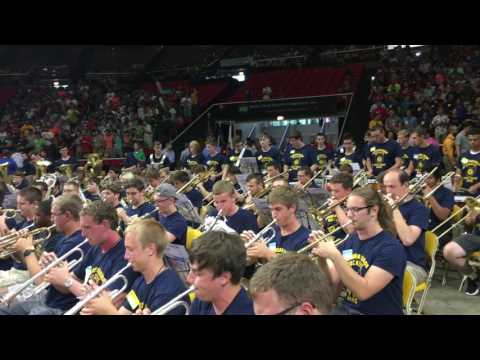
(9, 213)
(44, 285)
(174, 303)
(206, 228)
(262, 233)
(113, 295)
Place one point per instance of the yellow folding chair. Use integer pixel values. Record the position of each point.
(474, 262)
(455, 219)
(408, 291)
(192, 234)
(431, 247)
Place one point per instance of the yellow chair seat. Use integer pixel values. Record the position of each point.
(421, 287)
(192, 234)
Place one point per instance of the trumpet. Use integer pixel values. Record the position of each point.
(174, 303)
(9, 213)
(44, 285)
(328, 206)
(261, 234)
(9, 241)
(360, 177)
(197, 179)
(113, 295)
(203, 228)
(473, 204)
(317, 174)
(324, 237)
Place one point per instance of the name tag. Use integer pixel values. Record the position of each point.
(133, 299)
(272, 245)
(88, 272)
(347, 254)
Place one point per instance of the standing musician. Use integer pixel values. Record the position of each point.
(214, 160)
(27, 202)
(234, 153)
(383, 153)
(403, 137)
(299, 155)
(66, 215)
(111, 194)
(304, 175)
(347, 154)
(323, 154)
(195, 157)
(440, 203)
(217, 263)
(468, 165)
(158, 158)
(411, 222)
(65, 159)
(179, 178)
(225, 197)
(267, 154)
(145, 244)
(370, 264)
(290, 234)
(136, 200)
(423, 154)
(456, 252)
(291, 284)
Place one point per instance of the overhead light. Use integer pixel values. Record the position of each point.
(240, 76)
(418, 53)
(373, 78)
(280, 118)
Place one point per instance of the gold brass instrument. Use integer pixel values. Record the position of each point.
(66, 170)
(41, 168)
(325, 238)
(273, 178)
(317, 174)
(196, 179)
(174, 303)
(44, 285)
(8, 242)
(113, 295)
(321, 212)
(261, 234)
(471, 203)
(9, 213)
(360, 178)
(94, 165)
(447, 177)
(4, 173)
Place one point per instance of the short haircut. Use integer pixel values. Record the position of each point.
(282, 180)
(113, 186)
(296, 135)
(149, 231)
(223, 186)
(152, 173)
(346, 168)
(403, 132)
(71, 203)
(100, 211)
(136, 183)
(402, 175)
(275, 165)
(180, 176)
(295, 278)
(258, 177)
(306, 170)
(344, 179)
(220, 252)
(211, 142)
(348, 136)
(41, 186)
(196, 145)
(421, 131)
(377, 128)
(73, 183)
(31, 194)
(283, 195)
(473, 131)
(45, 207)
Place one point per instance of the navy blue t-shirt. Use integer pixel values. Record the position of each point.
(241, 305)
(240, 221)
(193, 160)
(55, 298)
(322, 157)
(385, 252)
(296, 158)
(292, 242)
(406, 155)
(383, 155)
(215, 162)
(72, 161)
(161, 161)
(265, 158)
(175, 224)
(143, 209)
(195, 197)
(425, 158)
(446, 199)
(233, 156)
(330, 223)
(469, 166)
(343, 159)
(160, 291)
(19, 226)
(416, 214)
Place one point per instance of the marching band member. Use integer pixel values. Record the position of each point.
(403, 139)
(280, 182)
(323, 154)
(158, 158)
(18, 180)
(456, 252)
(383, 153)
(40, 185)
(347, 154)
(111, 194)
(71, 187)
(145, 244)
(267, 154)
(291, 284)
(153, 177)
(225, 199)
(136, 200)
(179, 178)
(423, 155)
(92, 191)
(195, 157)
(370, 264)
(299, 155)
(468, 165)
(273, 170)
(214, 160)
(304, 175)
(255, 185)
(65, 159)
(217, 263)
(411, 222)
(234, 153)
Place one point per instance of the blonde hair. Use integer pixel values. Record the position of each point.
(196, 145)
(223, 186)
(283, 195)
(149, 231)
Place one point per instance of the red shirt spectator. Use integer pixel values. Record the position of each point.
(86, 144)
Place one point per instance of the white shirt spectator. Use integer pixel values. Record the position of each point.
(18, 158)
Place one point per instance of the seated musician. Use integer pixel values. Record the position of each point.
(14, 272)
(291, 284)
(71, 187)
(179, 179)
(305, 174)
(346, 169)
(40, 185)
(411, 222)
(195, 157)
(217, 263)
(225, 199)
(280, 182)
(273, 171)
(164, 174)
(457, 252)
(153, 177)
(92, 191)
(255, 189)
(18, 180)
(440, 203)
(206, 186)
(290, 234)
(136, 200)
(111, 194)
(145, 244)
(66, 216)
(65, 159)
(370, 264)
(468, 165)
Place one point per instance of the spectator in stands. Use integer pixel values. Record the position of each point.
(440, 124)
(462, 144)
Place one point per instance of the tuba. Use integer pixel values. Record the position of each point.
(4, 173)
(41, 168)
(66, 170)
(94, 165)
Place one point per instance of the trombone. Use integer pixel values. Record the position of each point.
(273, 178)
(6, 299)
(447, 177)
(197, 179)
(261, 234)
(9, 213)
(113, 295)
(324, 237)
(175, 302)
(8, 242)
(328, 206)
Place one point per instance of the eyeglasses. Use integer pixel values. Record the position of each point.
(160, 200)
(288, 309)
(356, 209)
